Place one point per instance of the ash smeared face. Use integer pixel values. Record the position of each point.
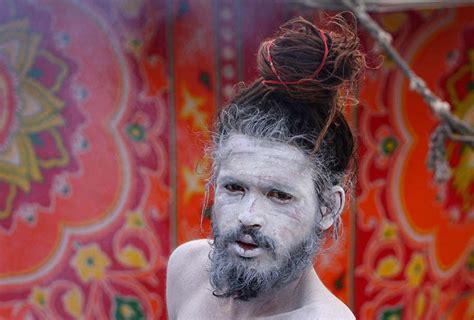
(264, 217)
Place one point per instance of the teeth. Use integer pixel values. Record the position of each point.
(247, 253)
(247, 239)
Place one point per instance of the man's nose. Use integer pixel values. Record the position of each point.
(251, 215)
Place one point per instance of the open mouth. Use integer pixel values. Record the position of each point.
(247, 246)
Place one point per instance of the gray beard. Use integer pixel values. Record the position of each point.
(236, 277)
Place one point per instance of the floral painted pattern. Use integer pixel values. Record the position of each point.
(105, 108)
(84, 189)
(35, 81)
(90, 263)
(415, 237)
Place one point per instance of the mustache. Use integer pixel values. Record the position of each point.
(260, 240)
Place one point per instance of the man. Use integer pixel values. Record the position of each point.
(282, 149)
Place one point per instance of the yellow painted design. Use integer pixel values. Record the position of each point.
(90, 263)
(135, 220)
(190, 109)
(416, 270)
(29, 168)
(194, 183)
(389, 231)
(463, 173)
(420, 305)
(62, 66)
(26, 170)
(9, 202)
(29, 156)
(28, 47)
(47, 116)
(38, 297)
(19, 163)
(131, 256)
(463, 178)
(388, 267)
(73, 302)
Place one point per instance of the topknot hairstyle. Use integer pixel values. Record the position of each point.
(307, 75)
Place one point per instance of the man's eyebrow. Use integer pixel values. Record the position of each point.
(271, 184)
(266, 184)
(228, 179)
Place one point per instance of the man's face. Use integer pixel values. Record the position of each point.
(265, 206)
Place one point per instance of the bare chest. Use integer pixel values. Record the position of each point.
(203, 305)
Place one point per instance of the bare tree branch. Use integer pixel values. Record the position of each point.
(439, 107)
(451, 127)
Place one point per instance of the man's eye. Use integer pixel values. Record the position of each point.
(280, 195)
(233, 187)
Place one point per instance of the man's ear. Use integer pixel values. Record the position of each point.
(328, 214)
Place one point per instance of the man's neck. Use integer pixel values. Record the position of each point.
(270, 303)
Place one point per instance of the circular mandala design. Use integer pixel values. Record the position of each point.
(36, 105)
(8, 104)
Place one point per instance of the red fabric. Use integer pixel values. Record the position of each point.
(93, 170)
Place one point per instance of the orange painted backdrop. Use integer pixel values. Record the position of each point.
(105, 108)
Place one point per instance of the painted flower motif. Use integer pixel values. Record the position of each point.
(143, 126)
(128, 309)
(135, 220)
(136, 132)
(416, 270)
(131, 256)
(388, 267)
(33, 97)
(90, 263)
(38, 297)
(389, 231)
(389, 145)
(55, 120)
(73, 301)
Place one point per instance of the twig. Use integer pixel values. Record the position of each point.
(437, 161)
(451, 127)
(457, 137)
(463, 130)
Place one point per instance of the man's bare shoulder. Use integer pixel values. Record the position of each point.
(187, 271)
(337, 310)
(334, 310)
(328, 306)
(189, 259)
(320, 303)
(195, 249)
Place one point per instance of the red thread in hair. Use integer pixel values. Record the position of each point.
(313, 76)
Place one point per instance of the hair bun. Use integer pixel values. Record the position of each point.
(309, 63)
